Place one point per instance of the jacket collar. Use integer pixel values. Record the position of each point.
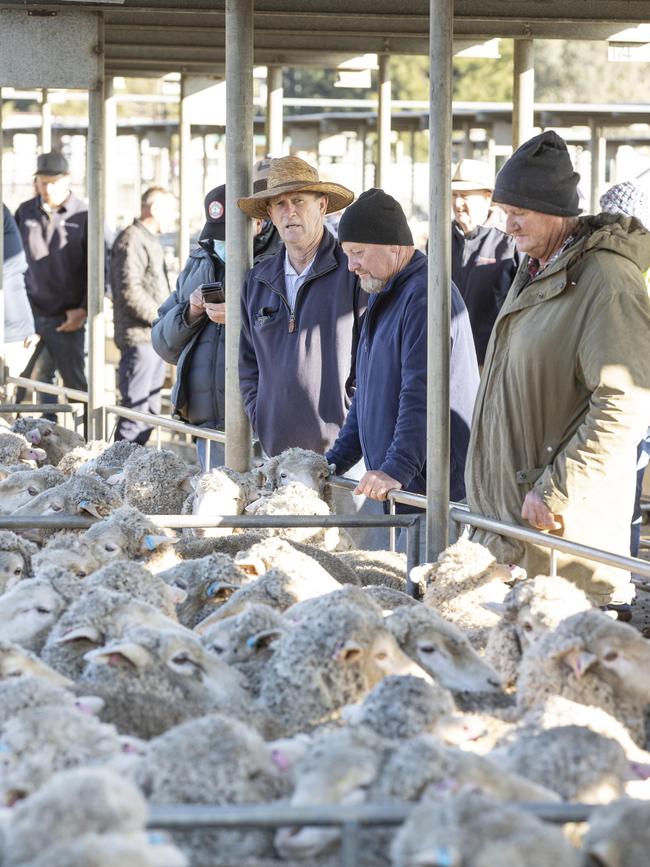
(271, 270)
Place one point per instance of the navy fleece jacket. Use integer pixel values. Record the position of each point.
(387, 420)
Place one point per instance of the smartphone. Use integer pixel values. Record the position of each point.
(213, 293)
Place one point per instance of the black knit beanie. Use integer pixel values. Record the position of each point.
(539, 176)
(375, 218)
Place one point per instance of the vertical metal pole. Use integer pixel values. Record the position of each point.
(274, 119)
(208, 455)
(383, 123)
(491, 151)
(184, 205)
(2, 291)
(439, 296)
(597, 166)
(412, 150)
(110, 156)
(364, 154)
(46, 122)
(391, 530)
(523, 103)
(350, 844)
(95, 191)
(553, 553)
(239, 229)
(412, 556)
(467, 141)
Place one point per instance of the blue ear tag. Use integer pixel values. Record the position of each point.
(4, 748)
(155, 838)
(251, 642)
(213, 589)
(444, 857)
(149, 543)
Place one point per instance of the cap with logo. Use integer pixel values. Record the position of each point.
(215, 214)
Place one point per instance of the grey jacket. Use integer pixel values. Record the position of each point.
(140, 284)
(197, 350)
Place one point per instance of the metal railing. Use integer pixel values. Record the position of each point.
(350, 817)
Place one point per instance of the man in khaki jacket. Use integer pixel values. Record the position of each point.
(565, 393)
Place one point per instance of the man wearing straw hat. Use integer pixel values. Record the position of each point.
(300, 315)
(484, 259)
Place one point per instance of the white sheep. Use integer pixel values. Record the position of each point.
(80, 456)
(15, 559)
(69, 551)
(618, 835)
(473, 830)
(17, 663)
(136, 581)
(128, 534)
(16, 449)
(155, 482)
(380, 568)
(297, 499)
(465, 577)
(53, 438)
(29, 610)
(221, 491)
(18, 488)
(208, 582)
(298, 465)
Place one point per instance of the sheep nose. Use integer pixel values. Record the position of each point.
(494, 683)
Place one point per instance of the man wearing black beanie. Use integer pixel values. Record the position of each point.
(387, 420)
(565, 393)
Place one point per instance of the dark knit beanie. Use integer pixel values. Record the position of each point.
(375, 218)
(539, 176)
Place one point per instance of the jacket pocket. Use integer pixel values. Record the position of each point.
(529, 477)
(264, 316)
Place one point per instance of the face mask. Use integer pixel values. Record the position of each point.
(220, 249)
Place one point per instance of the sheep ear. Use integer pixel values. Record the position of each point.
(91, 508)
(579, 661)
(151, 542)
(351, 713)
(287, 751)
(115, 479)
(496, 607)
(264, 639)
(87, 633)
(187, 485)
(331, 469)
(350, 651)
(113, 653)
(251, 565)
(605, 853)
(89, 704)
(34, 436)
(252, 508)
(178, 594)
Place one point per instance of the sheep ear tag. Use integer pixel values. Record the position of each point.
(152, 542)
(91, 508)
(438, 856)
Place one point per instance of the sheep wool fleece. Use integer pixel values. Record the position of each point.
(564, 400)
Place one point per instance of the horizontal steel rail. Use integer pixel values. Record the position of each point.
(178, 816)
(48, 388)
(36, 407)
(160, 421)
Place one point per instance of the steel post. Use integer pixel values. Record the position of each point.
(3, 372)
(95, 190)
(597, 181)
(110, 156)
(412, 555)
(274, 117)
(46, 122)
(383, 123)
(239, 229)
(523, 101)
(439, 278)
(184, 147)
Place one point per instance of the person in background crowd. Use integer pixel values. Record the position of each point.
(140, 284)
(484, 260)
(300, 315)
(629, 199)
(19, 334)
(565, 393)
(54, 230)
(387, 420)
(191, 333)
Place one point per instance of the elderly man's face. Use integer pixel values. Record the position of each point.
(298, 217)
(534, 233)
(470, 208)
(374, 264)
(53, 189)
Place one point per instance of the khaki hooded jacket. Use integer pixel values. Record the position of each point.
(565, 399)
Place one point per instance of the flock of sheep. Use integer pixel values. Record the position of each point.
(216, 667)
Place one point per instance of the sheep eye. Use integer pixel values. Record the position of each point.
(41, 610)
(527, 627)
(56, 507)
(381, 655)
(81, 574)
(283, 475)
(32, 491)
(110, 547)
(217, 648)
(46, 432)
(182, 585)
(427, 648)
(18, 570)
(14, 673)
(611, 656)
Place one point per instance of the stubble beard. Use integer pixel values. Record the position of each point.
(371, 285)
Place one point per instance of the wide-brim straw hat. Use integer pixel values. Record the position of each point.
(292, 175)
(472, 175)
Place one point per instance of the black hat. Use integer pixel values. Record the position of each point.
(52, 164)
(215, 214)
(375, 218)
(539, 176)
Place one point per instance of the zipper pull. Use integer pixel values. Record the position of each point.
(292, 323)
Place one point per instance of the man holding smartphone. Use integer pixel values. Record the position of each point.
(190, 329)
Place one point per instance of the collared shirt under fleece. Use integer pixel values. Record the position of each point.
(296, 369)
(387, 422)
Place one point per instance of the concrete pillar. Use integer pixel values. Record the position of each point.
(184, 174)
(110, 155)
(439, 277)
(239, 228)
(523, 103)
(95, 191)
(382, 170)
(274, 119)
(2, 293)
(598, 152)
(46, 123)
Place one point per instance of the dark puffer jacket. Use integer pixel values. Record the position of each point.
(139, 282)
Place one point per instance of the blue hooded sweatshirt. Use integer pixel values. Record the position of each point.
(387, 420)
